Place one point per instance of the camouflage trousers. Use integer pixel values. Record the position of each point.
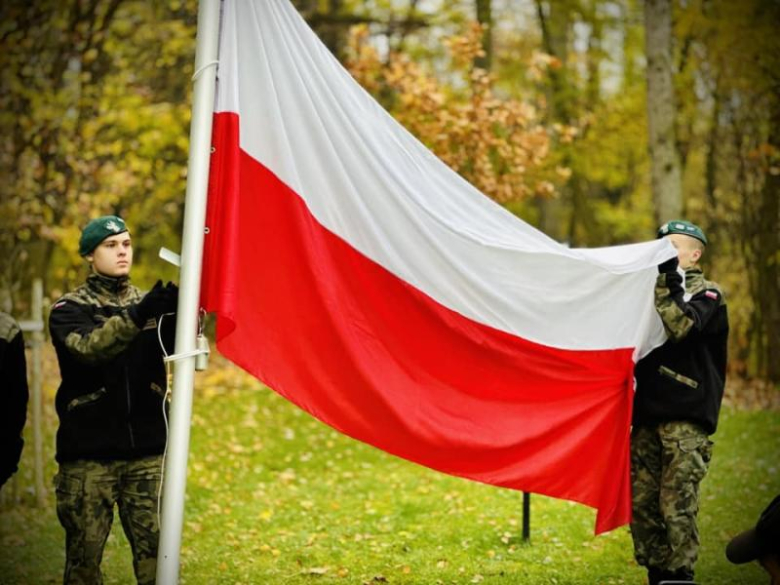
(86, 494)
(667, 464)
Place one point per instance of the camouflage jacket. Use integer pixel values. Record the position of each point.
(13, 395)
(683, 380)
(111, 397)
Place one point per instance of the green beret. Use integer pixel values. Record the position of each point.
(98, 230)
(680, 226)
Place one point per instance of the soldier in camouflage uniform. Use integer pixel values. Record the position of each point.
(679, 388)
(13, 397)
(110, 405)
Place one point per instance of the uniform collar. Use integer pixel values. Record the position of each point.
(694, 279)
(103, 284)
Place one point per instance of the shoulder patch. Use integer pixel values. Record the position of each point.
(711, 294)
(57, 305)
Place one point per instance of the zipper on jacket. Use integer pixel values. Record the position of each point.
(127, 381)
(129, 407)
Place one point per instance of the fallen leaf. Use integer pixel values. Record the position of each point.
(314, 571)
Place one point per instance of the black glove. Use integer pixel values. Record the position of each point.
(173, 297)
(173, 291)
(669, 266)
(161, 299)
(674, 282)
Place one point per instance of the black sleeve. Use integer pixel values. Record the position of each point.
(680, 317)
(73, 327)
(13, 412)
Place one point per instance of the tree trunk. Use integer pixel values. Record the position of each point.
(711, 167)
(661, 111)
(485, 18)
(582, 218)
(334, 35)
(768, 257)
(554, 22)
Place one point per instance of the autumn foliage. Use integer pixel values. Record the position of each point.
(95, 112)
(499, 145)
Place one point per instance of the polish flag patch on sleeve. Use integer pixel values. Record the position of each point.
(711, 294)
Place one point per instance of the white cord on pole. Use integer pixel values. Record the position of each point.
(164, 413)
(202, 68)
(186, 354)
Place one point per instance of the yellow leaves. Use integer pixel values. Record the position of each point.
(216, 380)
(563, 172)
(466, 47)
(287, 476)
(566, 133)
(767, 158)
(236, 448)
(315, 571)
(764, 150)
(545, 189)
(539, 64)
(496, 143)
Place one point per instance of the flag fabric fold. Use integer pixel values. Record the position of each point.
(362, 279)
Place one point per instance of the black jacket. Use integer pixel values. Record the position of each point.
(110, 403)
(683, 380)
(14, 395)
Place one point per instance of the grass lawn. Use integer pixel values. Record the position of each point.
(275, 496)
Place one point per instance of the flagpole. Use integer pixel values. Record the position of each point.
(175, 478)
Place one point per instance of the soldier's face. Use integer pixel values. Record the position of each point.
(688, 249)
(113, 256)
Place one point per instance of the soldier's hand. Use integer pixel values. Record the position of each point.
(161, 299)
(172, 292)
(669, 266)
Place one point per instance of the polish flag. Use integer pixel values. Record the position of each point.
(362, 279)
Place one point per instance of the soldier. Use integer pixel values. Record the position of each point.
(13, 413)
(110, 404)
(760, 543)
(679, 387)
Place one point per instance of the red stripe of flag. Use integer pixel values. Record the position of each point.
(377, 359)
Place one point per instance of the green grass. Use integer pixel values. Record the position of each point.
(274, 496)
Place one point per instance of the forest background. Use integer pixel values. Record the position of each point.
(543, 105)
(593, 120)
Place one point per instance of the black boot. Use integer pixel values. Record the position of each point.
(678, 577)
(654, 575)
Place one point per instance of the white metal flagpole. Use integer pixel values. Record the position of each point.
(175, 478)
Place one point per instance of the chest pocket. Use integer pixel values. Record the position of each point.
(685, 380)
(81, 401)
